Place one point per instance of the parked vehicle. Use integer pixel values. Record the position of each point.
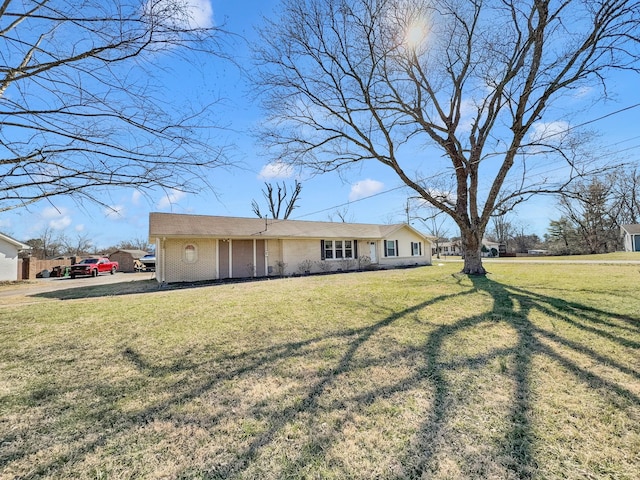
(93, 267)
(149, 261)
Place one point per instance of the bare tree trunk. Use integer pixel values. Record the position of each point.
(471, 249)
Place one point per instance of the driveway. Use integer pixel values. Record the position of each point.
(46, 285)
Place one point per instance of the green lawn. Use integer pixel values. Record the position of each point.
(531, 372)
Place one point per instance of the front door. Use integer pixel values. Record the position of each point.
(637, 242)
(372, 252)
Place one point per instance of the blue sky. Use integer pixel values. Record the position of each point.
(370, 194)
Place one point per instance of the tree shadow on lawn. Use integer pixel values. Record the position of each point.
(430, 448)
(515, 306)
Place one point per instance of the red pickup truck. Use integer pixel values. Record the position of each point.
(94, 266)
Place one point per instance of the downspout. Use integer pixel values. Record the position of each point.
(164, 262)
(255, 259)
(266, 258)
(231, 258)
(217, 273)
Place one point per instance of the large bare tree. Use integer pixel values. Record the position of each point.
(457, 97)
(81, 106)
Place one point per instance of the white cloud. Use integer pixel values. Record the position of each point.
(468, 113)
(548, 132)
(174, 196)
(114, 212)
(56, 218)
(135, 197)
(276, 170)
(79, 228)
(60, 223)
(53, 212)
(200, 13)
(365, 188)
(583, 92)
(182, 14)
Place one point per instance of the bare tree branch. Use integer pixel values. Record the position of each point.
(279, 200)
(80, 109)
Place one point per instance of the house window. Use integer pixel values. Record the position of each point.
(416, 249)
(390, 248)
(190, 253)
(348, 249)
(338, 249)
(328, 249)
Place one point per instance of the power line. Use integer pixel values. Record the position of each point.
(568, 129)
(352, 201)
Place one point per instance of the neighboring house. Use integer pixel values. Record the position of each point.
(450, 248)
(197, 247)
(9, 249)
(492, 249)
(631, 237)
(126, 259)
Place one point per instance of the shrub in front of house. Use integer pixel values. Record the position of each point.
(324, 266)
(364, 262)
(280, 268)
(305, 266)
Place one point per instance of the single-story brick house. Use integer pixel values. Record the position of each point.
(9, 249)
(198, 247)
(631, 237)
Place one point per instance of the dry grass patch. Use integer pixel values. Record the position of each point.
(529, 373)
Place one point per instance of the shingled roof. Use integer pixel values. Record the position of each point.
(181, 225)
(633, 229)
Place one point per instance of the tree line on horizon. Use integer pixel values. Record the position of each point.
(590, 216)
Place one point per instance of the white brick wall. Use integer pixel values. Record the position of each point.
(177, 268)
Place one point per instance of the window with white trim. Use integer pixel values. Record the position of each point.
(391, 248)
(338, 249)
(416, 249)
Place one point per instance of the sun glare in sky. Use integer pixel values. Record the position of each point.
(416, 33)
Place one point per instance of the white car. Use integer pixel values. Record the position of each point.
(149, 262)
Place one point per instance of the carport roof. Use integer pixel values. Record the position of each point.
(188, 226)
(134, 253)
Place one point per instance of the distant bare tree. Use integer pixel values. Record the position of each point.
(80, 245)
(461, 89)
(626, 195)
(342, 214)
(524, 241)
(502, 230)
(81, 107)
(47, 245)
(589, 209)
(135, 244)
(276, 201)
(562, 237)
(433, 219)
